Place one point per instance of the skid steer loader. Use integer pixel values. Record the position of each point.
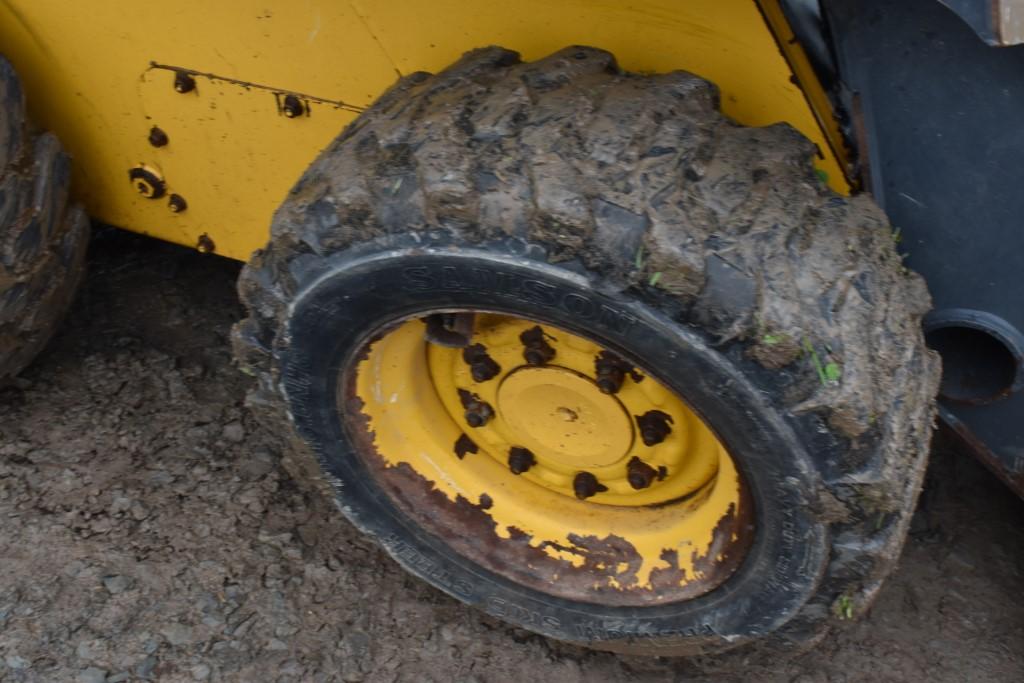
(589, 311)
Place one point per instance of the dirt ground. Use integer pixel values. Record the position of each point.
(150, 532)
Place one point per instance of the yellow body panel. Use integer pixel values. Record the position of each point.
(233, 153)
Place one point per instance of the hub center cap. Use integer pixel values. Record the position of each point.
(563, 417)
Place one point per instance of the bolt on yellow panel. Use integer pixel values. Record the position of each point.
(235, 143)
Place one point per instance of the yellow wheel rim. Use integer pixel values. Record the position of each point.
(597, 482)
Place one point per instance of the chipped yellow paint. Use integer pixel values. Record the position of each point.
(409, 391)
(233, 153)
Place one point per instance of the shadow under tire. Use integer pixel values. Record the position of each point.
(624, 209)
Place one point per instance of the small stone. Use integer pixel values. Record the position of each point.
(277, 645)
(138, 511)
(213, 620)
(116, 583)
(242, 628)
(145, 667)
(119, 678)
(286, 630)
(88, 650)
(358, 643)
(74, 568)
(257, 465)
(177, 634)
(233, 432)
(200, 672)
(16, 662)
(92, 675)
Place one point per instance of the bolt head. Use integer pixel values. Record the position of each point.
(184, 82)
(157, 137)
(292, 107)
(176, 203)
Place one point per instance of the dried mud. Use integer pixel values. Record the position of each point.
(150, 532)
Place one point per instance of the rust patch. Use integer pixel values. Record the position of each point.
(729, 541)
(603, 557)
(464, 445)
(962, 433)
(665, 578)
(607, 575)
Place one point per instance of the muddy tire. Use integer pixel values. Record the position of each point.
(43, 240)
(626, 209)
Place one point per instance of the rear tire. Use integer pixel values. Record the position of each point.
(43, 240)
(778, 310)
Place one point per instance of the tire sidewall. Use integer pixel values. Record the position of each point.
(358, 293)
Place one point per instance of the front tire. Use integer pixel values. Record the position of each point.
(624, 210)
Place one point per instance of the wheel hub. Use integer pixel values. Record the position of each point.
(579, 464)
(564, 419)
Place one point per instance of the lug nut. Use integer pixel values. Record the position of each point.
(585, 485)
(654, 426)
(610, 372)
(479, 416)
(478, 412)
(183, 82)
(536, 350)
(481, 366)
(640, 474)
(293, 107)
(520, 459)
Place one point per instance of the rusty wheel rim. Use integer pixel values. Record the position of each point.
(547, 459)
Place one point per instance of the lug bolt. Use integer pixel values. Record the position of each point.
(585, 485)
(654, 426)
(481, 366)
(478, 412)
(176, 203)
(536, 350)
(293, 107)
(640, 474)
(157, 137)
(183, 82)
(520, 460)
(611, 372)
(205, 245)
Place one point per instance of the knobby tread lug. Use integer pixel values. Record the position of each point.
(643, 181)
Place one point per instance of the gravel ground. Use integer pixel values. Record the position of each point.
(151, 532)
